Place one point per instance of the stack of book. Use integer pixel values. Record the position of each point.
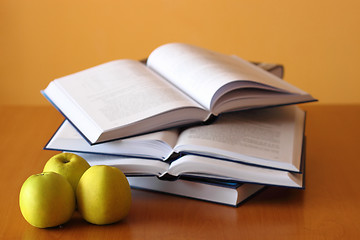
(189, 121)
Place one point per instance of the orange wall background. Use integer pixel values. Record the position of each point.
(317, 41)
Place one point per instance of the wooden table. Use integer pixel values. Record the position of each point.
(329, 207)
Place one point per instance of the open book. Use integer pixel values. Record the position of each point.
(270, 137)
(200, 167)
(180, 85)
(228, 193)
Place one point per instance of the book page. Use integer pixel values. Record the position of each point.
(121, 92)
(129, 166)
(157, 145)
(201, 73)
(268, 137)
(197, 166)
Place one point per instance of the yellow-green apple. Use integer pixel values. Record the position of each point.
(70, 165)
(47, 200)
(103, 195)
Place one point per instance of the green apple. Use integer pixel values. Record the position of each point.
(70, 165)
(103, 195)
(47, 200)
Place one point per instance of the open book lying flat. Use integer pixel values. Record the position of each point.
(270, 137)
(200, 167)
(180, 85)
(228, 193)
